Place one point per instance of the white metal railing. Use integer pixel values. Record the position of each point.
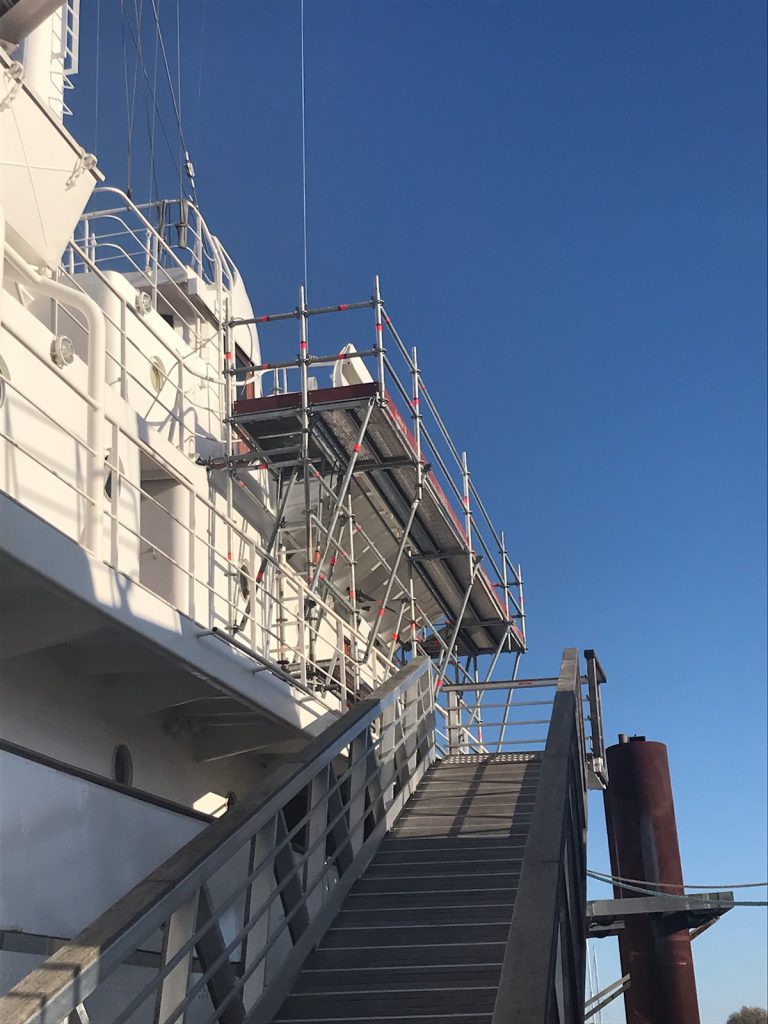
(236, 911)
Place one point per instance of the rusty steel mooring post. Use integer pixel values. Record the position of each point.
(642, 837)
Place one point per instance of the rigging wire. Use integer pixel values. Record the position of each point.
(304, 151)
(643, 888)
(148, 85)
(98, 76)
(152, 130)
(200, 70)
(178, 89)
(128, 126)
(644, 881)
(176, 104)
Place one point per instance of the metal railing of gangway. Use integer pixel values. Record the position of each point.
(235, 912)
(544, 967)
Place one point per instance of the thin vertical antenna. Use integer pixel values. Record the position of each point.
(304, 150)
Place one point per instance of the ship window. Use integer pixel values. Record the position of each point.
(122, 765)
(4, 376)
(157, 375)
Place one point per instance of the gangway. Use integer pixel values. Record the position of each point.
(444, 883)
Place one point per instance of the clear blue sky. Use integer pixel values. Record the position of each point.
(566, 204)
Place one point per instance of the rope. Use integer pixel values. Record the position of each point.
(304, 151)
(634, 887)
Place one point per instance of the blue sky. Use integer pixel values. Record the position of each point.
(566, 205)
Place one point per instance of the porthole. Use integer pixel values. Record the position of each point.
(157, 376)
(4, 376)
(244, 579)
(122, 765)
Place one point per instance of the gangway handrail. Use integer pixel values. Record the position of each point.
(544, 967)
(388, 743)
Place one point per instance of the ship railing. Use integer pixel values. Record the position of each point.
(441, 464)
(122, 237)
(168, 233)
(226, 923)
(156, 379)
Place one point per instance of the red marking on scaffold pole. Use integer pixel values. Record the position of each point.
(264, 366)
(263, 319)
(415, 401)
(358, 528)
(322, 576)
(381, 612)
(333, 560)
(439, 683)
(395, 636)
(259, 576)
(358, 448)
(302, 344)
(379, 327)
(352, 595)
(317, 554)
(342, 306)
(227, 355)
(229, 556)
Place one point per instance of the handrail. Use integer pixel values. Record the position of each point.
(388, 740)
(547, 936)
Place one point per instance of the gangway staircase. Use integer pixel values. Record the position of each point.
(378, 877)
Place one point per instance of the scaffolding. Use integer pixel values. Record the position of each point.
(376, 508)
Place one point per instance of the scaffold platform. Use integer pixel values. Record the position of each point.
(353, 423)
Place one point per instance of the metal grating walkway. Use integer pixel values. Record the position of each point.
(421, 936)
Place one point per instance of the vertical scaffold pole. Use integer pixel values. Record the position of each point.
(412, 598)
(229, 385)
(378, 306)
(522, 602)
(353, 594)
(303, 369)
(306, 624)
